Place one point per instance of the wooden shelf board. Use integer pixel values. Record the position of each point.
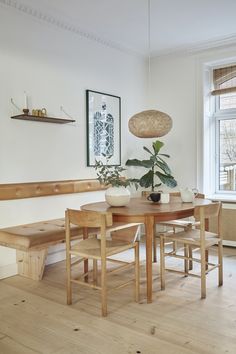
(42, 119)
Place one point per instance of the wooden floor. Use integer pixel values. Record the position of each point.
(35, 319)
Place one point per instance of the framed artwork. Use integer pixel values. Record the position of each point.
(103, 128)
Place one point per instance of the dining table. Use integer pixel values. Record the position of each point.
(141, 210)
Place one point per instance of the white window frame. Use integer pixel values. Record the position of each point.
(212, 117)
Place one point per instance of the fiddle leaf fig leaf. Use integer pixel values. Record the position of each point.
(157, 145)
(168, 156)
(168, 180)
(146, 180)
(146, 149)
(164, 167)
(141, 163)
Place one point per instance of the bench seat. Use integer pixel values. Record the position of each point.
(36, 235)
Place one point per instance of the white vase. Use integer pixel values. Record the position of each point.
(117, 196)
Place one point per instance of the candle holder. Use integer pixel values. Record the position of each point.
(26, 111)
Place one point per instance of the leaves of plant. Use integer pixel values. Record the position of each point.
(156, 165)
(168, 180)
(141, 163)
(146, 149)
(164, 155)
(163, 166)
(157, 145)
(146, 180)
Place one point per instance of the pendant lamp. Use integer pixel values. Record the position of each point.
(150, 123)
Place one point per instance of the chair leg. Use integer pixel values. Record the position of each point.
(95, 271)
(220, 261)
(206, 258)
(68, 270)
(154, 250)
(104, 287)
(174, 245)
(186, 260)
(162, 262)
(86, 269)
(137, 272)
(190, 254)
(203, 273)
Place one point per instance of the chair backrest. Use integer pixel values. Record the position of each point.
(203, 212)
(177, 194)
(208, 211)
(172, 194)
(93, 221)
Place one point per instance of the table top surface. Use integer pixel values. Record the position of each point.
(141, 206)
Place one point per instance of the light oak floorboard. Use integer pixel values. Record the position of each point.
(34, 317)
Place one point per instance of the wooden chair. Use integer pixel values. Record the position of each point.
(175, 225)
(97, 249)
(197, 238)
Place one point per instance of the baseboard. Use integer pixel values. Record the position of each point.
(229, 243)
(8, 270)
(55, 256)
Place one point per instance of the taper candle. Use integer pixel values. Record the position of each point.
(26, 100)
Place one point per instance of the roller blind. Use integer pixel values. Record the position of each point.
(224, 80)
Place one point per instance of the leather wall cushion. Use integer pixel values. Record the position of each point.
(36, 235)
(39, 189)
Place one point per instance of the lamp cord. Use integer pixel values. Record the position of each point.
(149, 44)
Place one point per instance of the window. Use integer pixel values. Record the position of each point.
(224, 118)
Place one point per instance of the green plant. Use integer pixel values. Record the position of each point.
(111, 175)
(157, 166)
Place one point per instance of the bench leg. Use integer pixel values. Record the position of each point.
(31, 264)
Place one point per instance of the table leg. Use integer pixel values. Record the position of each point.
(149, 229)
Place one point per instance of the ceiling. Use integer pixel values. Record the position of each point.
(176, 25)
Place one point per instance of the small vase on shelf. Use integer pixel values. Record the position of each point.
(26, 111)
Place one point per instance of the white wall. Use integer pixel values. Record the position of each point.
(54, 67)
(177, 89)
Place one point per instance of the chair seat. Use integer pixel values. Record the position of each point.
(192, 237)
(91, 247)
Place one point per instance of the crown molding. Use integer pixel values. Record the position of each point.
(217, 43)
(64, 25)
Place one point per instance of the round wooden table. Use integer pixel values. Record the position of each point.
(141, 210)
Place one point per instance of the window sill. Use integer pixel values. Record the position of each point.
(225, 198)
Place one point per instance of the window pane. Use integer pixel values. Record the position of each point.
(228, 100)
(227, 152)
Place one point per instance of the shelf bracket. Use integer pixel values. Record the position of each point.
(68, 115)
(15, 105)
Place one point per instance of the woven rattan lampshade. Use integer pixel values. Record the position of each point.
(150, 124)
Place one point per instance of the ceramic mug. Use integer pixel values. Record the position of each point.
(154, 197)
(165, 198)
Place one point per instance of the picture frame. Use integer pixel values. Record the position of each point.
(103, 114)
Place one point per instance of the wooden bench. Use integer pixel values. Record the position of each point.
(31, 242)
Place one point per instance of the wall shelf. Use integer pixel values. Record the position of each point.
(43, 119)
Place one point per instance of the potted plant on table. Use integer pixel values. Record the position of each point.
(157, 168)
(117, 194)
